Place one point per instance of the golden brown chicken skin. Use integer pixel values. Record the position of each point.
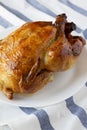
(30, 55)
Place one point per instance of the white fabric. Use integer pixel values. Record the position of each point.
(60, 116)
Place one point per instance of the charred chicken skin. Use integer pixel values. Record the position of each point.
(30, 55)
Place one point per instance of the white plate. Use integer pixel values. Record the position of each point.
(65, 84)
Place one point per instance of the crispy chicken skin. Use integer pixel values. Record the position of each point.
(30, 55)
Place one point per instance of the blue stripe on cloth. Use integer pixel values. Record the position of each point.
(86, 84)
(15, 12)
(40, 7)
(74, 7)
(78, 30)
(77, 111)
(44, 120)
(5, 23)
(41, 115)
(85, 33)
(27, 110)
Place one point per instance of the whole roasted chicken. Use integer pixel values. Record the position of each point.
(31, 54)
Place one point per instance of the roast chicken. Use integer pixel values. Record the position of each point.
(30, 55)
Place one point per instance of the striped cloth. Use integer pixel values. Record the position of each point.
(70, 114)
